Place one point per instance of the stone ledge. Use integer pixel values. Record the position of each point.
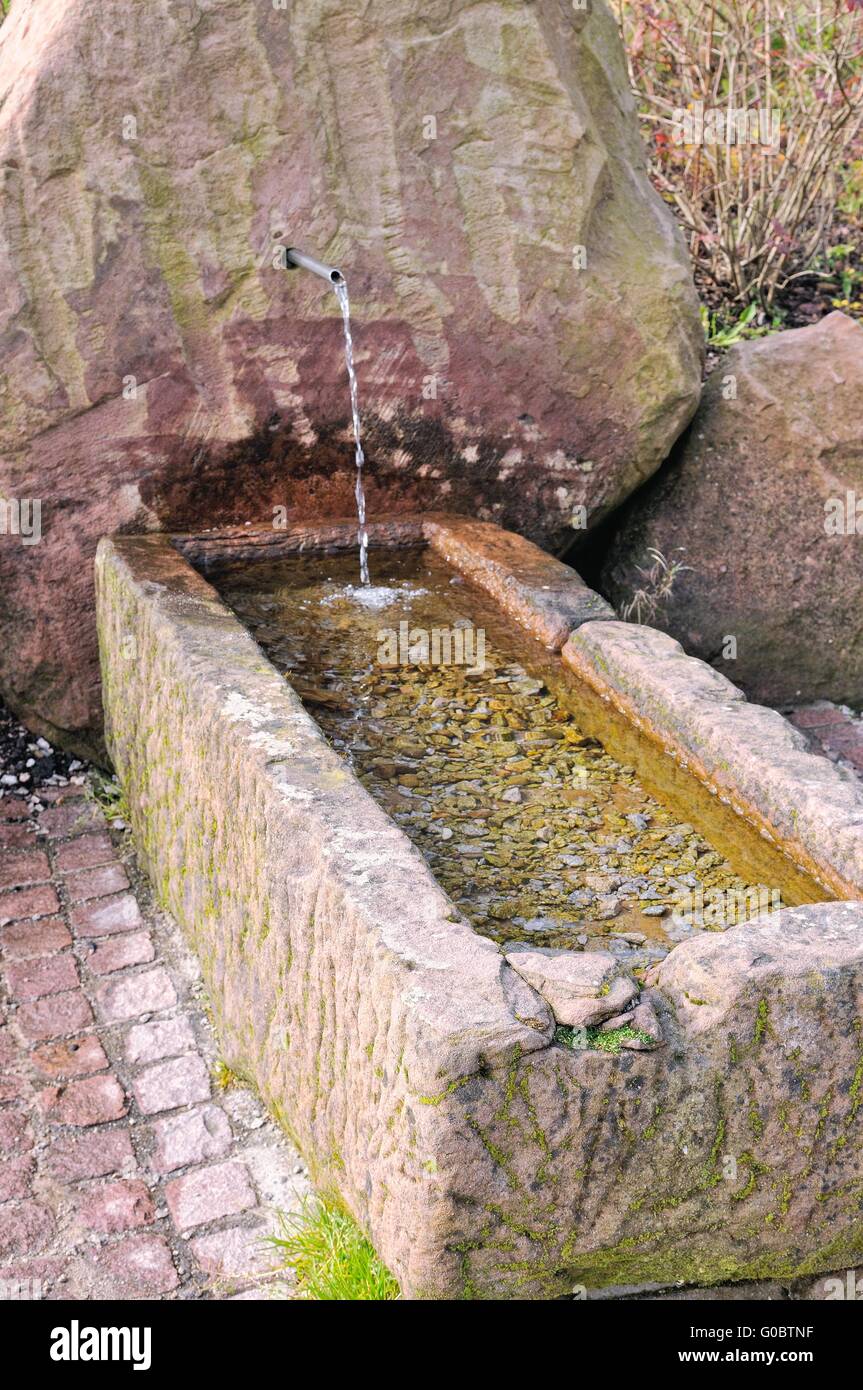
(547, 598)
(749, 755)
(209, 550)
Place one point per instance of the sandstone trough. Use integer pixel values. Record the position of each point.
(429, 1075)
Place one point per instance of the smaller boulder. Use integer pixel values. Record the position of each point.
(582, 989)
(644, 1021)
(619, 1021)
(762, 503)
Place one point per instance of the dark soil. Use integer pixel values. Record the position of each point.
(806, 300)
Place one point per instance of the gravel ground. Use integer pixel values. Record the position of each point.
(28, 763)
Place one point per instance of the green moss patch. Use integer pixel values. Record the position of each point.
(593, 1039)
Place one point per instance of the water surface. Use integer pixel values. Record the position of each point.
(534, 830)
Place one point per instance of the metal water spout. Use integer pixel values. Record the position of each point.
(299, 259)
(334, 277)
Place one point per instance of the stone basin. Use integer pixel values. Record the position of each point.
(423, 1070)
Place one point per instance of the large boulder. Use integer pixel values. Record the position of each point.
(763, 501)
(525, 317)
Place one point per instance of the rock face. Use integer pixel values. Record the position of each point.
(764, 501)
(525, 319)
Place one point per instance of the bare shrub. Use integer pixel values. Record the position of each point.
(757, 213)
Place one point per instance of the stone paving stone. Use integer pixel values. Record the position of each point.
(263, 1292)
(117, 1206)
(30, 866)
(25, 1228)
(28, 902)
(141, 1264)
(32, 1279)
(104, 916)
(53, 796)
(817, 716)
(841, 737)
(192, 1137)
(70, 1059)
(15, 1178)
(99, 882)
(54, 1017)
(14, 1088)
(830, 730)
(237, 1253)
(92, 1155)
(129, 996)
(33, 979)
(84, 852)
(71, 818)
(13, 808)
(14, 1131)
(166, 1085)
(118, 952)
(16, 836)
(208, 1194)
(165, 1037)
(93, 1101)
(42, 937)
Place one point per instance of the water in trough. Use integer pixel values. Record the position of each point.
(459, 726)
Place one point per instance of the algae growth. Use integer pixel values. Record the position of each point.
(457, 724)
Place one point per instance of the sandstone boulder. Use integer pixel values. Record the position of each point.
(581, 988)
(525, 318)
(763, 501)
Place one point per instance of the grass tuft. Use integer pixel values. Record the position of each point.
(330, 1258)
(581, 1039)
(224, 1077)
(108, 794)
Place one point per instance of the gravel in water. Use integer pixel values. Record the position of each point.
(535, 832)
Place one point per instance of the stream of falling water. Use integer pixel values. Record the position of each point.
(341, 289)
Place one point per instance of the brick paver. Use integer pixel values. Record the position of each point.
(23, 940)
(125, 1172)
(833, 731)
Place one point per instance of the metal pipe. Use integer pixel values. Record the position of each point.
(299, 258)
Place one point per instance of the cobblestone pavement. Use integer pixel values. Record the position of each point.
(125, 1171)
